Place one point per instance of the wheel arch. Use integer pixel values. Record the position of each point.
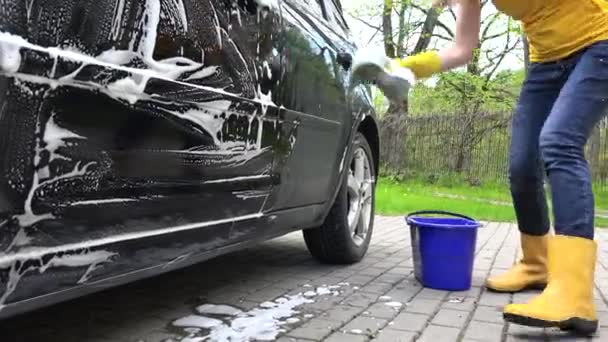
(369, 129)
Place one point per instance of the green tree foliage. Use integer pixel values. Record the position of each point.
(460, 92)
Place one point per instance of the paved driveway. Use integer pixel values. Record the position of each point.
(276, 288)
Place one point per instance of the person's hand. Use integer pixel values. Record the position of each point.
(423, 65)
(440, 4)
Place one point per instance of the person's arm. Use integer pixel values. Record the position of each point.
(468, 13)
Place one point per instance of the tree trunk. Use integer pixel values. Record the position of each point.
(427, 30)
(393, 134)
(402, 30)
(473, 66)
(526, 53)
(387, 28)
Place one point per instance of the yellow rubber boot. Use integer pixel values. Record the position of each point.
(568, 301)
(530, 272)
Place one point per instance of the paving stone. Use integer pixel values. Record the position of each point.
(322, 303)
(368, 325)
(381, 310)
(361, 299)
(402, 294)
(523, 333)
(158, 336)
(427, 293)
(389, 261)
(101, 339)
(488, 314)
(143, 311)
(409, 322)
(600, 306)
(406, 270)
(603, 318)
(315, 329)
(473, 292)
(342, 313)
(600, 335)
(359, 280)
(292, 339)
(291, 283)
(482, 331)
(425, 306)
(249, 286)
(375, 287)
(246, 305)
(451, 318)
(478, 280)
(390, 278)
(265, 294)
(494, 299)
(555, 334)
(434, 333)
(389, 335)
(342, 337)
(460, 303)
(327, 281)
(372, 271)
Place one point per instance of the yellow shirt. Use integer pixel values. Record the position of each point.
(558, 28)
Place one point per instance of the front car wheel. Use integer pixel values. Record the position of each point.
(345, 235)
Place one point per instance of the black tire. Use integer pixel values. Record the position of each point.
(332, 241)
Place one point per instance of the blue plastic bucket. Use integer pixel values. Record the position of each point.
(443, 249)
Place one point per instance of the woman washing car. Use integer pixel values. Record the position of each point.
(563, 98)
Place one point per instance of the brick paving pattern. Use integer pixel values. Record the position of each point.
(144, 311)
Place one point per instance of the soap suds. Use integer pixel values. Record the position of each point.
(394, 304)
(263, 323)
(104, 201)
(212, 309)
(197, 321)
(82, 258)
(55, 137)
(10, 57)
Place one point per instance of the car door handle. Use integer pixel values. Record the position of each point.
(271, 73)
(345, 59)
(275, 66)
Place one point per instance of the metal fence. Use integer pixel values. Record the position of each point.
(477, 147)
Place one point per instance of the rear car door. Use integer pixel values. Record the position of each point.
(132, 134)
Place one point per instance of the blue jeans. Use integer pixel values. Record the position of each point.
(560, 104)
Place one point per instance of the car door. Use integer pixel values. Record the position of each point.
(133, 134)
(315, 94)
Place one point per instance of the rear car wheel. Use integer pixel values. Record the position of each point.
(346, 233)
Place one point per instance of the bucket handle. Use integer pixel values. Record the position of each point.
(440, 212)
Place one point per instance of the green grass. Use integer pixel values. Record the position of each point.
(489, 202)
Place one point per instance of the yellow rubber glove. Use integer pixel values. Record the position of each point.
(423, 65)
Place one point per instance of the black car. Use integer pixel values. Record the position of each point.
(141, 136)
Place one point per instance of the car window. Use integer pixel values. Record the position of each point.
(335, 16)
(314, 6)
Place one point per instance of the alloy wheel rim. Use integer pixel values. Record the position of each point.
(360, 189)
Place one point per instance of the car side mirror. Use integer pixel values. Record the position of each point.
(253, 6)
(345, 59)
